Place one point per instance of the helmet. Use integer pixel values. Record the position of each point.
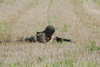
(49, 29)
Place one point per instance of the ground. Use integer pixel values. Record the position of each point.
(78, 20)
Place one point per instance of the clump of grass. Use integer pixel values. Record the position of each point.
(70, 63)
(1, 1)
(77, 1)
(13, 65)
(88, 64)
(97, 1)
(56, 16)
(40, 59)
(5, 36)
(12, 1)
(4, 26)
(62, 63)
(50, 3)
(48, 20)
(8, 1)
(54, 42)
(92, 29)
(92, 46)
(65, 28)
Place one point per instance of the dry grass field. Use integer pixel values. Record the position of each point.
(78, 20)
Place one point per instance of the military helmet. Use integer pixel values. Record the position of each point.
(49, 29)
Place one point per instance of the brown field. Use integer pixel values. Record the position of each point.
(78, 20)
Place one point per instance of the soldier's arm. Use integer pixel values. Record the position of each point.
(52, 38)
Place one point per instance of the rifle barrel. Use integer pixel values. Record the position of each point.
(58, 39)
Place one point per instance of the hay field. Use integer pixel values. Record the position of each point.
(78, 20)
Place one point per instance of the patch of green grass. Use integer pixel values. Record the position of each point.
(8, 1)
(54, 42)
(51, 1)
(62, 63)
(1, 63)
(4, 26)
(40, 59)
(66, 63)
(92, 46)
(97, 1)
(56, 16)
(12, 1)
(72, 63)
(69, 63)
(92, 29)
(13, 65)
(48, 20)
(1, 1)
(88, 64)
(37, 3)
(77, 1)
(65, 28)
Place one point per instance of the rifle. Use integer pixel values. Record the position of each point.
(58, 39)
